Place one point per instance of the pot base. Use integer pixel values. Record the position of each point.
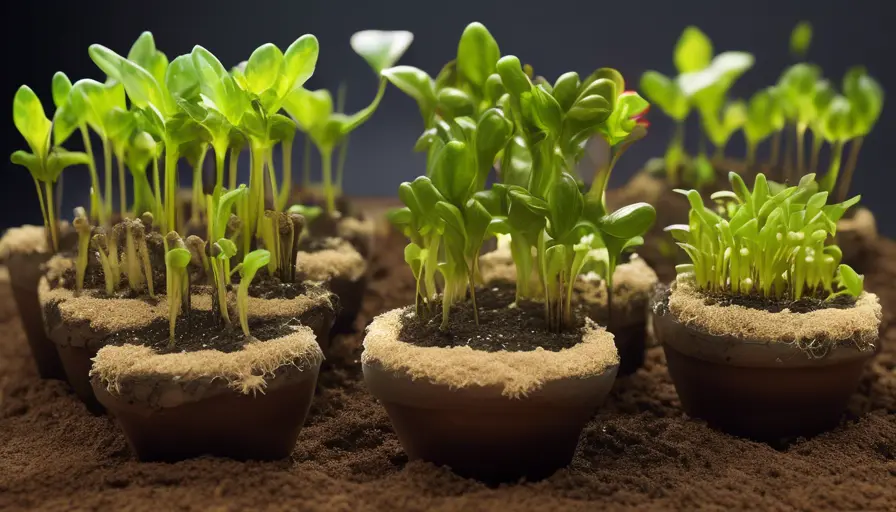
(234, 425)
(24, 274)
(77, 362)
(491, 444)
(763, 403)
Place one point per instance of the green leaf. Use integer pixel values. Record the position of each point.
(850, 280)
(453, 173)
(800, 39)
(566, 203)
(61, 87)
(493, 132)
(263, 68)
(224, 208)
(477, 219)
(455, 102)
(512, 75)
(59, 159)
(142, 88)
(866, 98)
(707, 88)
(547, 112)
(310, 109)
(218, 87)
(606, 74)
(416, 84)
(516, 165)
(414, 256)
(566, 89)
(177, 258)
(252, 262)
(477, 54)
(629, 221)
(693, 51)
(228, 248)
(665, 93)
(381, 48)
(309, 212)
(299, 62)
(838, 123)
(30, 162)
(181, 78)
(144, 54)
(29, 118)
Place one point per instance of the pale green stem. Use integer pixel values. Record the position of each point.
(43, 208)
(51, 216)
(306, 163)
(816, 151)
(107, 175)
(122, 189)
(800, 152)
(326, 157)
(234, 161)
(96, 199)
(170, 201)
(286, 190)
(275, 189)
(851, 163)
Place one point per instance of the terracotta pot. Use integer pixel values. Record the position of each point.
(176, 406)
(512, 415)
(24, 274)
(78, 327)
(757, 388)
(340, 268)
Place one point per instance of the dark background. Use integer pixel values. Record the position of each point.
(554, 36)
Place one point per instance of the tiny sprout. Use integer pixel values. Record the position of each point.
(178, 281)
(100, 244)
(800, 39)
(248, 268)
(770, 244)
(84, 229)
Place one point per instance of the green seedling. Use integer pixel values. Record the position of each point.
(837, 127)
(771, 244)
(45, 162)
(82, 225)
(866, 100)
(178, 281)
(313, 110)
(665, 93)
(223, 250)
(798, 86)
(801, 39)
(765, 117)
(109, 261)
(253, 261)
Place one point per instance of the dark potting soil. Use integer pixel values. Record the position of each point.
(756, 301)
(639, 452)
(199, 330)
(266, 286)
(502, 326)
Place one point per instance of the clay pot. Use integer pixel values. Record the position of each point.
(633, 285)
(79, 326)
(752, 386)
(248, 404)
(25, 251)
(340, 268)
(495, 416)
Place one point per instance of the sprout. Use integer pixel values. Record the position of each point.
(248, 268)
(770, 244)
(866, 99)
(44, 162)
(101, 245)
(223, 249)
(313, 110)
(800, 39)
(178, 281)
(765, 117)
(84, 229)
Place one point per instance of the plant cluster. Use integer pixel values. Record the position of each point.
(536, 132)
(769, 244)
(802, 100)
(152, 112)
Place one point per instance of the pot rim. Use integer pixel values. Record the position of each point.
(340, 261)
(741, 336)
(512, 374)
(139, 375)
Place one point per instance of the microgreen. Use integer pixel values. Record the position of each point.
(45, 162)
(327, 128)
(248, 268)
(178, 281)
(537, 131)
(769, 244)
(84, 229)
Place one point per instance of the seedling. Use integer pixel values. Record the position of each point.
(84, 229)
(770, 244)
(248, 268)
(45, 162)
(313, 110)
(178, 281)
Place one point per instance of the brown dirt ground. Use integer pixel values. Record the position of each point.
(639, 452)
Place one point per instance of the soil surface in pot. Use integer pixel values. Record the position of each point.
(776, 305)
(640, 452)
(515, 329)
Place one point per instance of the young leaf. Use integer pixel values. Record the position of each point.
(566, 203)
(263, 68)
(381, 49)
(416, 84)
(629, 221)
(299, 62)
(662, 91)
(850, 280)
(61, 87)
(693, 51)
(29, 118)
(512, 75)
(800, 39)
(453, 173)
(477, 54)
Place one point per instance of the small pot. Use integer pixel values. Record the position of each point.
(754, 380)
(495, 416)
(24, 251)
(633, 284)
(79, 326)
(248, 404)
(7, 303)
(342, 269)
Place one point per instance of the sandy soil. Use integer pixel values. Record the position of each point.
(639, 452)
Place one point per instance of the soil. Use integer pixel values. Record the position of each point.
(200, 330)
(776, 305)
(518, 329)
(639, 452)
